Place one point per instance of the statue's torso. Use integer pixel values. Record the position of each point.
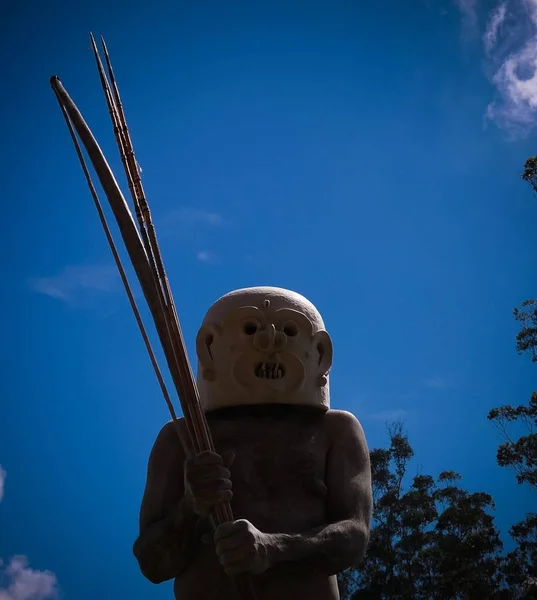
(278, 479)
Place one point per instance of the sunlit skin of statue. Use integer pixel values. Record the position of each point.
(297, 473)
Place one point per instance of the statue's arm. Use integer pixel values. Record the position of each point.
(167, 539)
(341, 543)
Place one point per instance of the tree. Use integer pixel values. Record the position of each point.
(520, 564)
(526, 339)
(430, 540)
(520, 454)
(530, 172)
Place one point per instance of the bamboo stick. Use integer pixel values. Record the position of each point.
(142, 246)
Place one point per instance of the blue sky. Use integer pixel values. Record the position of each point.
(367, 155)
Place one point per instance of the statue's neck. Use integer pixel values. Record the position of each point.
(262, 411)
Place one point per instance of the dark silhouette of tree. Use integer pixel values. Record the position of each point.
(519, 568)
(519, 452)
(530, 172)
(526, 339)
(430, 539)
(433, 540)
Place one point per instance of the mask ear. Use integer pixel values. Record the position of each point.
(204, 340)
(323, 344)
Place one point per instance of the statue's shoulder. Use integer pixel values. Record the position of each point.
(338, 422)
(172, 434)
(169, 429)
(341, 417)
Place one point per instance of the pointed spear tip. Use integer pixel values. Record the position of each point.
(103, 43)
(93, 43)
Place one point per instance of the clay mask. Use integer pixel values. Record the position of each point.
(263, 345)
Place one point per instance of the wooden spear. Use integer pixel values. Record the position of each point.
(144, 252)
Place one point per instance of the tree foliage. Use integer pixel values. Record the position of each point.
(521, 564)
(526, 339)
(529, 173)
(520, 453)
(429, 539)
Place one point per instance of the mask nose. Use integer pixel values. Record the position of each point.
(270, 340)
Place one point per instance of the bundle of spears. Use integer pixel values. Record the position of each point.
(143, 250)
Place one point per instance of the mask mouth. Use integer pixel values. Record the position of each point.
(269, 370)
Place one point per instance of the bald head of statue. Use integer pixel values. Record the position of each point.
(263, 345)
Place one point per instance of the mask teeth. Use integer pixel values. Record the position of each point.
(269, 371)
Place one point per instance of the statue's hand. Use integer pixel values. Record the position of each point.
(241, 547)
(207, 481)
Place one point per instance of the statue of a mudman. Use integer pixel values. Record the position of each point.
(297, 473)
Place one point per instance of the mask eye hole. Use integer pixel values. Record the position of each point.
(250, 327)
(290, 329)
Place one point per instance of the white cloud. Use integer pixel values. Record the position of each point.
(195, 217)
(3, 476)
(75, 281)
(392, 414)
(468, 9)
(206, 256)
(496, 20)
(515, 108)
(20, 582)
(437, 383)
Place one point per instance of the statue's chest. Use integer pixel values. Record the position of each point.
(274, 461)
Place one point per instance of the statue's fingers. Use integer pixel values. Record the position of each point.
(211, 486)
(225, 484)
(221, 484)
(216, 481)
(228, 531)
(231, 557)
(206, 458)
(217, 492)
(235, 542)
(205, 473)
(211, 472)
